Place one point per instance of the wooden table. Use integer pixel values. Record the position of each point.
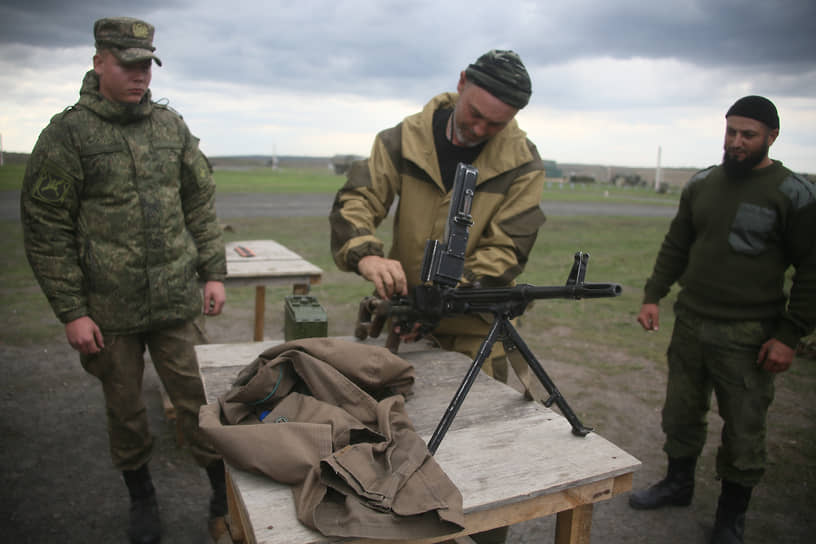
(270, 263)
(512, 460)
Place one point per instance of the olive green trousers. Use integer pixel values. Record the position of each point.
(120, 369)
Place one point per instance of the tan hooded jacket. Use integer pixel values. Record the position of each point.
(404, 164)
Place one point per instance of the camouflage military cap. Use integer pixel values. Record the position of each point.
(130, 40)
(502, 74)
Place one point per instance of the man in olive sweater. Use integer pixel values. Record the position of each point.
(739, 227)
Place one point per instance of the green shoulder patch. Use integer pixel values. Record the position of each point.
(51, 187)
(202, 170)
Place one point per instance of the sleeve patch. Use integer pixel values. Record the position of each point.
(50, 187)
(202, 169)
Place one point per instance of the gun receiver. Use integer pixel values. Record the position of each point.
(438, 296)
(442, 264)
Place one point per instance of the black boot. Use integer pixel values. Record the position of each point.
(729, 525)
(676, 489)
(218, 501)
(145, 526)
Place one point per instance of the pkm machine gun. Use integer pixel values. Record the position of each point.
(438, 296)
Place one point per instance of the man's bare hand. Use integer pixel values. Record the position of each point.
(84, 335)
(214, 297)
(774, 356)
(649, 317)
(387, 275)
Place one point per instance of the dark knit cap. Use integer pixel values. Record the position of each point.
(502, 74)
(755, 107)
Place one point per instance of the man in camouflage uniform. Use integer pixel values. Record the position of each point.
(738, 229)
(415, 161)
(119, 224)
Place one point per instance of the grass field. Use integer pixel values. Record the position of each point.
(622, 250)
(305, 180)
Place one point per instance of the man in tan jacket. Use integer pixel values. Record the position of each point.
(416, 161)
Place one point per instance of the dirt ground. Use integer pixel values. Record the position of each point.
(59, 486)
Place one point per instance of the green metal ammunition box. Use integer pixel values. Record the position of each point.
(304, 318)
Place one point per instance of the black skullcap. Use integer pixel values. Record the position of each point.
(502, 74)
(756, 107)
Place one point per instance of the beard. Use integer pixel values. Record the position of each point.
(465, 140)
(463, 135)
(739, 168)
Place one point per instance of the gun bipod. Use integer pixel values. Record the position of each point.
(503, 328)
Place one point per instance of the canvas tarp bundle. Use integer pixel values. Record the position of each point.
(327, 417)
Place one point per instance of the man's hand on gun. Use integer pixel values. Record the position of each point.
(387, 275)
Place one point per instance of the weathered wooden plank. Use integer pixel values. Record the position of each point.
(263, 249)
(271, 262)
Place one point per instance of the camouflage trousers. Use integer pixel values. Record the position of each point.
(708, 355)
(120, 368)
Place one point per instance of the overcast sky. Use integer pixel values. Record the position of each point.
(613, 80)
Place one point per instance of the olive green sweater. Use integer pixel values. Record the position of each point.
(731, 243)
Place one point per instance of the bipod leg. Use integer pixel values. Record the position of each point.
(464, 387)
(556, 397)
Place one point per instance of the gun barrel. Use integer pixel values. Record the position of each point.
(593, 290)
(527, 292)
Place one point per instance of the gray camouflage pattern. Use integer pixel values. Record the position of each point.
(118, 212)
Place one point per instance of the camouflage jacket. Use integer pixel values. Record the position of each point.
(118, 211)
(404, 164)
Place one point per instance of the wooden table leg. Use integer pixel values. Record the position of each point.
(574, 526)
(238, 524)
(260, 305)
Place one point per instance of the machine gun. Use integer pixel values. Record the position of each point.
(438, 296)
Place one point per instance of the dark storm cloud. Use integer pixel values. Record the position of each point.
(714, 32)
(402, 48)
(62, 23)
